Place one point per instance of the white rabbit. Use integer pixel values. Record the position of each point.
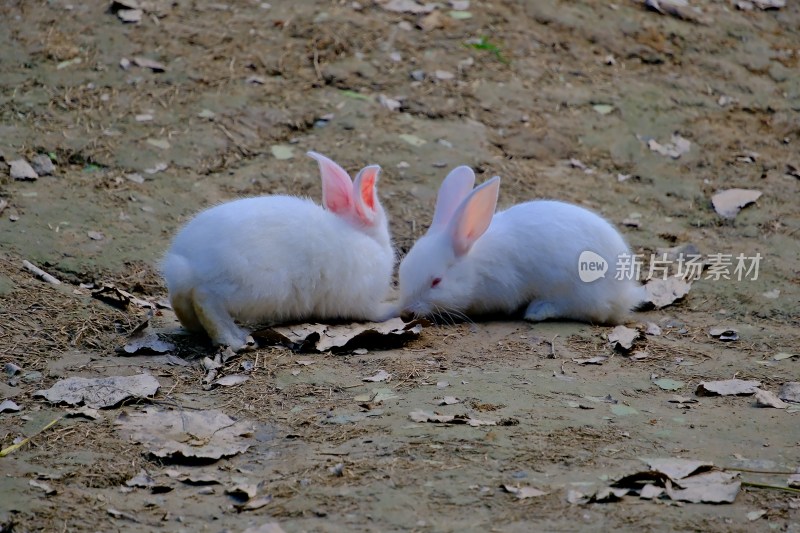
(272, 259)
(472, 261)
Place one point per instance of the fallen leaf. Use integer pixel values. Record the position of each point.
(119, 298)
(186, 435)
(652, 328)
(389, 103)
(769, 4)
(152, 64)
(597, 360)
(43, 165)
(772, 294)
(790, 392)
(681, 399)
(623, 410)
(677, 468)
(161, 144)
(48, 490)
(668, 384)
(282, 151)
(141, 480)
(448, 400)
(755, 515)
(609, 494)
(382, 375)
(675, 149)
(9, 406)
(132, 16)
(101, 392)
(413, 140)
(650, 492)
(728, 203)
(242, 491)
(603, 109)
(423, 416)
(376, 396)
(84, 412)
(256, 503)
(344, 337)
(269, 527)
(728, 387)
(406, 6)
(724, 334)
(147, 344)
(707, 487)
(431, 21)
(231, 380)
(523, 492)
(766, 398)
(623, 337)
(459, 14)
(22, 170)
(663, 292)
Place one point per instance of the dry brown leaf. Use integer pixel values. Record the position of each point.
(728, 387)
(152, 64)
(623, 337)
(423, 416)
(101, 392)
(728, 203)
(382, 375)
(342, 337)
(766, 398)
(186, 435)
(790, 392)
(523, 492)
(724, 334)
(663, 292)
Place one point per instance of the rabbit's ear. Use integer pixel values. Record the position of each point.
(366, 193)
(337, 189)
(455, 187)
(473, 216)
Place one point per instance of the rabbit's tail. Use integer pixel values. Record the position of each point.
(179, 277)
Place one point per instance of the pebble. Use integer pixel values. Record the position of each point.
(22, 170)
(43, 165)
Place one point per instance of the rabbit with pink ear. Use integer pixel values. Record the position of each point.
(273, 259)
(475, 261)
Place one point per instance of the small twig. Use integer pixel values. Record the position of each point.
(20, 444)
(747, 470)
(39, 273)
(553, 348)
(765, 486)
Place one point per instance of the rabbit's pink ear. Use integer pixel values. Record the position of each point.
(366, 194)
(454, 189)
(337, 189)
(473, 216)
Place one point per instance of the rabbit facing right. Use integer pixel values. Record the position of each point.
(273, 259)
(473, 261)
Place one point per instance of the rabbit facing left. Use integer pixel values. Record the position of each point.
(475, 261)
(274, 259)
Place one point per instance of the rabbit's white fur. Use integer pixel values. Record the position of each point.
(523, 257)
(273, 259)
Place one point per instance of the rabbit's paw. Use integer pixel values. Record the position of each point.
(539, 310)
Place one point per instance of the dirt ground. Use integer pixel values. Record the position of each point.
(560, 98)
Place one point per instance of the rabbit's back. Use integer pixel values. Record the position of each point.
(532, 251)
(277, 258)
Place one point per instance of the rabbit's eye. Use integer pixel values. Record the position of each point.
(435, 282)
